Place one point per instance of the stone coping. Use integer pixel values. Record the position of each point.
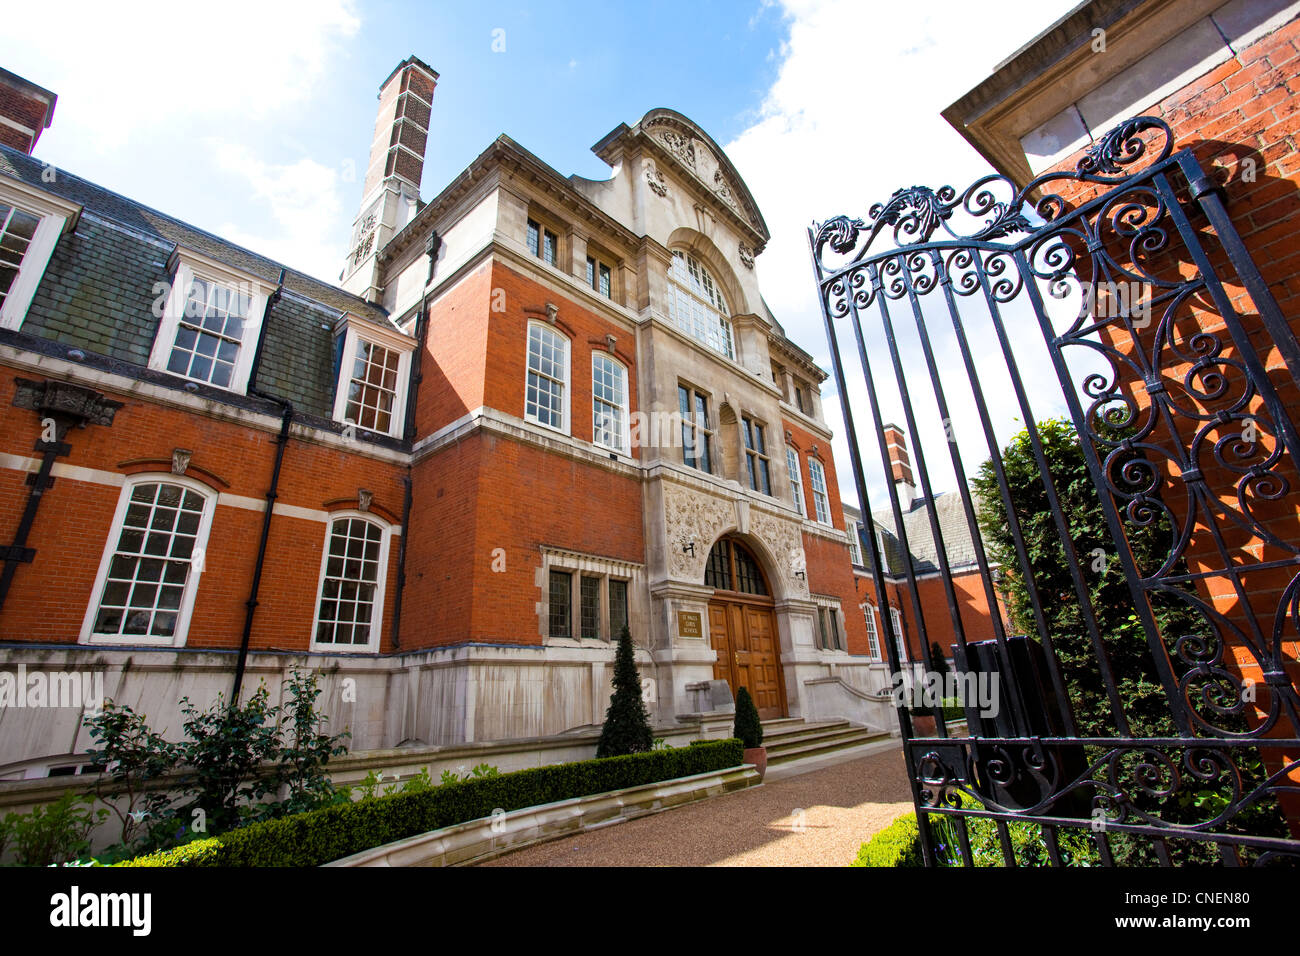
(488, 837)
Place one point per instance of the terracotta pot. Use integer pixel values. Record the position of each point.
(758, 757)
(923, 725)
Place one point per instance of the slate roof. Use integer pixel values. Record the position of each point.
(98, 292)
(953, 529)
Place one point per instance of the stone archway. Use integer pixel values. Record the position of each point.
(743, 627)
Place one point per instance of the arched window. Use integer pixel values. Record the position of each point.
(147, 580)
(696, 304)
(731, 567)
(608, 403)
(351, 605)
(546, 399)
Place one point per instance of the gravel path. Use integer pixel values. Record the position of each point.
(841, 806)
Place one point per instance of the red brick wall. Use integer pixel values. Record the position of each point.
(453, 364)
(507, 348)
(25, 110)
(486, 493)
(49, 597)
(976, 620)
(1240, 121)
(830, 572)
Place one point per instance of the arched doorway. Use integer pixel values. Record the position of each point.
(742, 626)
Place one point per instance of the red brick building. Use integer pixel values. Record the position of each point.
(536, 408)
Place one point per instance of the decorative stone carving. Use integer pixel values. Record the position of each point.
(655, 179)
(746, 256)
(75, 403)
(723, 190)
(552, 312)
(692, 516)
(181, 460)
(680, 145)
(782, 537)
(364, 497)
(688, 147)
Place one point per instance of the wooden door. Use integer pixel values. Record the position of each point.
(721, 642)
(744, 636)
(764, 671)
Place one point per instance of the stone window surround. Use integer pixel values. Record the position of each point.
(580, 564)
(178, 637)
(58, 216)
(353, 329)
(186, 265)
(825, 603)
(377, 617)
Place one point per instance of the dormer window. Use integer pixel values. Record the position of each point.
(210, 321)
(30, 225)
(696, 304)
(373, 369)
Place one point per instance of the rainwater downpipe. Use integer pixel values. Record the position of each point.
(286, 420)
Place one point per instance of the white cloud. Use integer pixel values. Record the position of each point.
(302, 199)
(853, 115)
(190, 108)
(130, 69)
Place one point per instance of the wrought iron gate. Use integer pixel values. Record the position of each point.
(1147, 712)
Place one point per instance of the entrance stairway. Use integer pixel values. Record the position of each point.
(792, 742)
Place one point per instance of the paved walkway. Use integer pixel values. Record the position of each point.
(841, 806)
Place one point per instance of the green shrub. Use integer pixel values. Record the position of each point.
(747, 726)
(899, 844)
(319, 836)
(58, 832)
(233, 758)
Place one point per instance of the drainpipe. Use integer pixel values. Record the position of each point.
(286, 420)
(431, 246)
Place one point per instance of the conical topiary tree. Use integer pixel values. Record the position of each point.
(627, 725)
(938, 662)
(748, 727)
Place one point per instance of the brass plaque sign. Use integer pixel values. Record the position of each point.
(689, 624)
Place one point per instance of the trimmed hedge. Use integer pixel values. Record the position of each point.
(899, 844)
(331, 833)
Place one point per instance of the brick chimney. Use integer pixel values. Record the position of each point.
(25, 110)
(900, 465)
(391, 194)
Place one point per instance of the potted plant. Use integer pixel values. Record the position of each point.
(750, 731)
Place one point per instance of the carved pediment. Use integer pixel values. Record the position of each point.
(700, 156)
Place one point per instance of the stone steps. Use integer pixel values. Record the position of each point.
(791, 740)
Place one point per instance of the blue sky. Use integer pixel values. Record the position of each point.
(253, 119)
